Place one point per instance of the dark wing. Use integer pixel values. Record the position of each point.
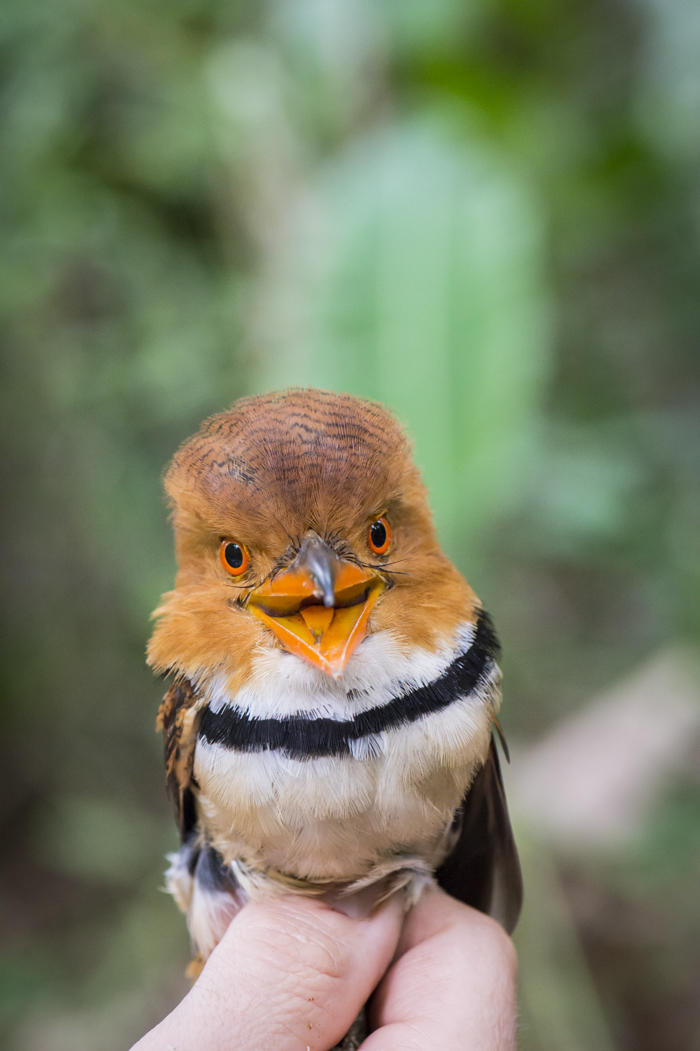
(177, 717)
(483, 869)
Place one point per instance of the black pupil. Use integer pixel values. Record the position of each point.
(377, 531)
(233, 553)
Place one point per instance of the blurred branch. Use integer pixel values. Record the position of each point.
(594, 779)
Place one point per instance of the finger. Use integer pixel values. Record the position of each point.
(452, 985)
(291, 973)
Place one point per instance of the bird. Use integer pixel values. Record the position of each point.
(331, 717)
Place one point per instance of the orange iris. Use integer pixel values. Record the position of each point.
(233, 557)
(379, 536)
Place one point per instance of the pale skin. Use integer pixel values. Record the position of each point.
(293, 974)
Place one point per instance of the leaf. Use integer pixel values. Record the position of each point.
(411, 272)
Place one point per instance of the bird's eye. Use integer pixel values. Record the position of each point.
(379, 536)
(233, 557)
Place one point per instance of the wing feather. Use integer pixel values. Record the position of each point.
(178, 716)
(483, 868)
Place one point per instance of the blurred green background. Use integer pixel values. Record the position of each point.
(485, 215)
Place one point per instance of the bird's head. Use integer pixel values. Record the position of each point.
(300, 522)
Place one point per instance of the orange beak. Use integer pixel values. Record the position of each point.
(319, 607)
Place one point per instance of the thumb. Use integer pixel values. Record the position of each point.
(290, 973)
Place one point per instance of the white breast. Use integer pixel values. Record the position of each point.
(337, 818)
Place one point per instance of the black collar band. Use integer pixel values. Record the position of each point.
(300, 737)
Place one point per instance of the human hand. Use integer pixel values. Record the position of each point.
(451, 985)
(293, 974)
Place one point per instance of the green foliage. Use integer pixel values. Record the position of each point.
(419, 272)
